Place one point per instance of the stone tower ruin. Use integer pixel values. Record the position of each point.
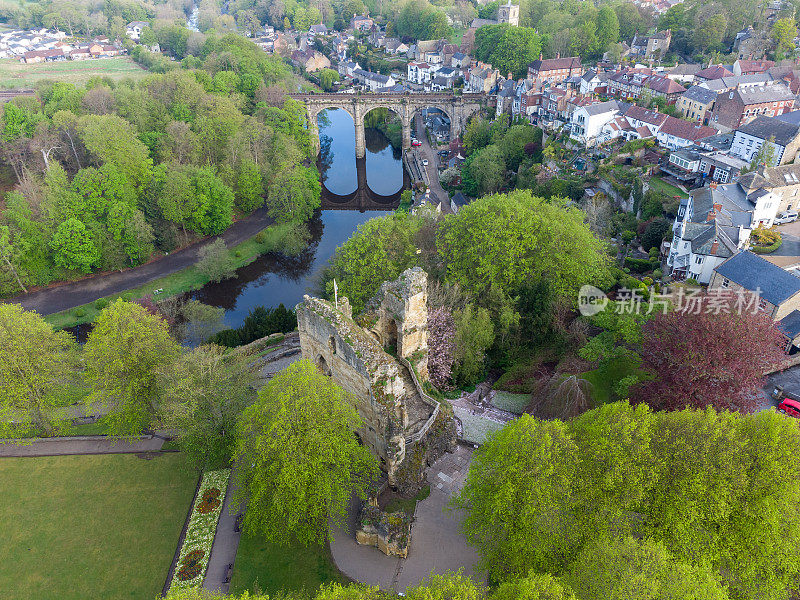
(382, 359)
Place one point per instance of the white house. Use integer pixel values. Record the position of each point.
(590, 81)
(420, 73)
(677, 133)
(134, 29)
(588, 121)
(713, 224)
(373, 81)
(749, 138)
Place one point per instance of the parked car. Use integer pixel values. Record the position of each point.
(790, 407)
(789, 216)
(416, 143)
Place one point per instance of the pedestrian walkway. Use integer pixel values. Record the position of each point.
(226, 543)
(90, 444)
(437, 543)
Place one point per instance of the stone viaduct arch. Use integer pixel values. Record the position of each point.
(458, 108)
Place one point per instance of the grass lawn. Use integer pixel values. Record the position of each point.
(662, 186)
(513, 403)
(275, 237)
(77, 527)
(272, 568)
(604, 378)
(14, 74)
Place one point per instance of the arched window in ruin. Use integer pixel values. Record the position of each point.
(322, 365)
(391, 337)
(332, 344)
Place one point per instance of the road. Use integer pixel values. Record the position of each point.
(65, 296)
(428, 152)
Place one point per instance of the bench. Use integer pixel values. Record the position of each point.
(237, 525)
(228, 573)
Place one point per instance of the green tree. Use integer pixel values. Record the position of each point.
(123, 354)
(36, 364)
(249, 193)
(378, 251)
(630, 569)
(711, 487)
(484, 172)
(299, 458)
(112, 139)
(533, 587)
(474, 335)
(509, 239)
(607, 27)
(294, 195)
(507, 48)
(203, 394)
(710, 31)
(18, 121)
(327, 77)
(215, 261)
(783, 32)
(765, 156)
(73, 247)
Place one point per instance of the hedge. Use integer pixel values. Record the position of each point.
(767, 249)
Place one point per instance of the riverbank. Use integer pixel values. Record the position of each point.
(270, 239)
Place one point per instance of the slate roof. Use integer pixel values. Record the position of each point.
(765, 127)
(685, 69)
(665, 85)
(767, 93)
(771, 177)
(700, 94)
(601, 107)
(790, 324)
(753, 272)
(459, 199)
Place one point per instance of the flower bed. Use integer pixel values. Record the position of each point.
(193, 559)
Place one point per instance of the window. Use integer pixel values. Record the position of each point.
(725, 282)
(698, 260)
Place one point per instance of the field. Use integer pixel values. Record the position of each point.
(14, 74)
(662, 186)
(77, 527)
(272, 568)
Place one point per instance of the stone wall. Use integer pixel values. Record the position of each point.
(395, 410)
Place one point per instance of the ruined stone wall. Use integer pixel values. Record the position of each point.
(395, 410)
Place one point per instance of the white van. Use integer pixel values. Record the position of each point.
(789, 216)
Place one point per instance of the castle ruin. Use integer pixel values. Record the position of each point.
(382, 359)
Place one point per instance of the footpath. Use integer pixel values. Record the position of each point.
(65, 296)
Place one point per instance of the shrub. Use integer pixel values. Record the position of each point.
(238, 254)
(260, 237)
(216, 262)
(260, 323)
(692, 281)
(641, 265)
(100, 303)
(767, 249)
(79, 312)
(648, 281)
(658, 274)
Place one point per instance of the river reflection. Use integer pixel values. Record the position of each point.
(275, 279)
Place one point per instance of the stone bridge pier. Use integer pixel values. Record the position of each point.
(457, 108)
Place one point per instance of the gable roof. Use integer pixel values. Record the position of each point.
(757, 94)
(653, 117)
(686, 130)
(601, 107)
(550, 64)
(665, 85)
(713, 72)
(755, 273)
(766, 127)
(700, 94)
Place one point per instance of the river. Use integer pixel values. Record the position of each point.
(277, 279)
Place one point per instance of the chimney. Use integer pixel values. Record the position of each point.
(541, 56)
(711, 216)
(714, 246)
(713, 185)
(558, 54)
(717, 207)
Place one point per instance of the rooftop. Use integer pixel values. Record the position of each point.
(754, 273)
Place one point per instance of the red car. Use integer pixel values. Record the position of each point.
(416, 143)
(790, 407)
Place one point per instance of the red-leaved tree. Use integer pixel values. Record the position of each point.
(707, 359)
(441, 346)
